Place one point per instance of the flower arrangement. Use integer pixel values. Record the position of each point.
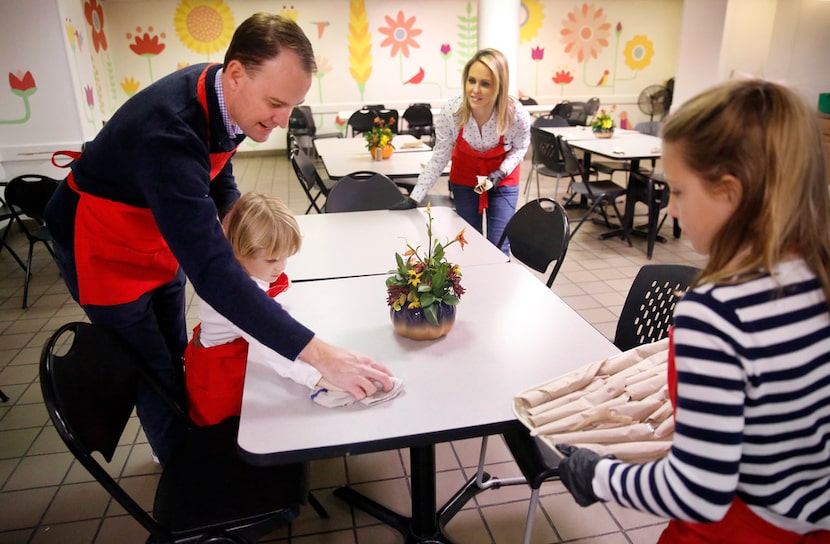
(602, 122)
(422, 280)
(380, 135)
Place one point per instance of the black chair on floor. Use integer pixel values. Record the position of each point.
(361, 121)
(206, 493)
(7, 215)
(26, 197)
(599, 194)
(313, 185)
(654, 192)
(528, 101)
(539, 233)
(390, 119)
(360, 191)
(562, 109)
(545, 159)
(303, 128)
(419, 121)
(645, 317)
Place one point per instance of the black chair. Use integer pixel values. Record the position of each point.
(528, 101)
(362, 121)
(539, 233)
(592, 106)
(390, 119)
(545, 158)
(303, 128)
(7, 215)
(654, 192)
(314, 186)
(419, 121)
(646, 317)
(26, 197)
(562, 109)
(599, 194)
(579, 114)
(361, 191)
(206, 493)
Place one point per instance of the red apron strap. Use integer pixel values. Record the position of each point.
(467, 163)
(217, 160)
(71, 155)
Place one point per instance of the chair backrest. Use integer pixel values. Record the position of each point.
(362, 121)
(579, 114)
(301, 120)
(539, 233)
(648, 127)
(592, 106)
(89, 380)
(562, 109)
(30, 193)
(390, 118)
(374, 107)
(649, 306)
(549, 120)
(418, 115)
(361, 191)
(308, 177)
(573, 166)
(545, 148)
(528, 101)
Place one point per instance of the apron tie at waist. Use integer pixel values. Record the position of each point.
(467, 163)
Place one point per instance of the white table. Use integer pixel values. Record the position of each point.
(342, 156)
(511, 332)
(585, 133)
(364, 243)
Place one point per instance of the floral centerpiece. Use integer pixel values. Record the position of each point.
(380, 137)
(424, 289)
(602, 123)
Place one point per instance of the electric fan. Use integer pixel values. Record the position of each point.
(654, 100)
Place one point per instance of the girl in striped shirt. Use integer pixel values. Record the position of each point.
(750, 460)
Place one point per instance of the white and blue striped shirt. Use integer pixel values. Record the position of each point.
(753, 408)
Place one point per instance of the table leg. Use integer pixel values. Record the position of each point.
(422, 527)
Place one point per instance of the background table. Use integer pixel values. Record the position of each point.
(511, 332)
(342, 156)
(363, 243)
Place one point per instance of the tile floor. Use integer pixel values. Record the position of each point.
(47, 498)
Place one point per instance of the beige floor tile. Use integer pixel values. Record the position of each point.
(40, 471)
(63, 533)
(78, 502)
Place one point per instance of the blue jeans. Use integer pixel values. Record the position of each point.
(501, 207)
(156, 328)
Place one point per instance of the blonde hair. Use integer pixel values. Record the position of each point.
(262, 222)
(767, 137)
(496, 62)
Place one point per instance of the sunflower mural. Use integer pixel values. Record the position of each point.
(360, 45)
(586, 32)
(531, 18)
(204, 26)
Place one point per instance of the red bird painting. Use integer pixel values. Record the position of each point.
(417, 78)
(603, 80)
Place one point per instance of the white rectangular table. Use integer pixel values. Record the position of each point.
(511, 332)
(342, 156)
(584, 133)
(364, 243)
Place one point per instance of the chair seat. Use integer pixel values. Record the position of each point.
(206, 480)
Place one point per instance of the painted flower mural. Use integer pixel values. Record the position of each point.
(22, 85)
(638, 53)
(146, 45)
(585, 32)
(204, 26)
(562, 77)
(130, 86)
(400, 34)
(530, 19)
(94, 14)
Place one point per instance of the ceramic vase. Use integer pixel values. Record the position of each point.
(608, 133)
(413, 323)
(384, 152)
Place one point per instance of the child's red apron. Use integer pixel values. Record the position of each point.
(120, 254)
(215, 376)
(740, 525)
(467, 163)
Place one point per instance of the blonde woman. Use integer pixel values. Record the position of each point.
(485, 132)
(749, 367)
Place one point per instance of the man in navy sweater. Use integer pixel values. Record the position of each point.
(141, 211)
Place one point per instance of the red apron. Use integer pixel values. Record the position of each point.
(215, 376)
(740, 525)
(467, 163)
(120, 253)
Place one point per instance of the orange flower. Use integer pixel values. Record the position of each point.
(460, 238)
(400, 34)
(585, 32)
(94, 15)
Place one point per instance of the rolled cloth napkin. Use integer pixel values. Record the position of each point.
(619, 406)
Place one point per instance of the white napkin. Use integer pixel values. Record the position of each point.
(484, 184)
(336, 399)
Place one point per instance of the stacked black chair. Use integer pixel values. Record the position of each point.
(361, 191)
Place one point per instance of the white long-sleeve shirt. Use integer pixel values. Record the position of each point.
(216, 330)
(753, 416)
(516, 140)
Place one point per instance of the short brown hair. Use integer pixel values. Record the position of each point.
(262, 222)
(262, 36)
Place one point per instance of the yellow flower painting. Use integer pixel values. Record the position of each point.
(204, 26)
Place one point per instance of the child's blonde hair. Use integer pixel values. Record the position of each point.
(497, 63)
(766, 136)
(262, 222)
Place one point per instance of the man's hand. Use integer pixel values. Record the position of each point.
(577, 472)
(406, 204)
(358, 374)
(495, 177)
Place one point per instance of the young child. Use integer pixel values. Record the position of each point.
(750, 353)
(263, 234)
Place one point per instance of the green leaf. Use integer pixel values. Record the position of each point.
(426, 300)
(399, 260)
(452, 300)
(431, 314)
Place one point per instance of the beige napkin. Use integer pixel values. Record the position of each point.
(412, 145)
(336, 399)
